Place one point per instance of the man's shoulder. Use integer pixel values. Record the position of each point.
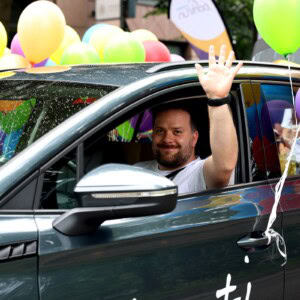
(191, 179)
(197, 163)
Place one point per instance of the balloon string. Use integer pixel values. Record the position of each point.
(269, 232)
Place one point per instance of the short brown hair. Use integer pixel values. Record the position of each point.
(173, 105)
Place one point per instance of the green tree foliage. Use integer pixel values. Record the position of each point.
(238, 16)
(161, 7)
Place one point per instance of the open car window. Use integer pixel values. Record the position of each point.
(131, 141)
(127, 142)
(30, 110)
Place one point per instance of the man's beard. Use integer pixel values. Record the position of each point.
(173, 161)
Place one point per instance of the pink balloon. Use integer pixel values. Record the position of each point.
(15, 46)
(176, 57)
(156, 51)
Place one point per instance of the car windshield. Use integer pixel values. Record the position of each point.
(28, 110)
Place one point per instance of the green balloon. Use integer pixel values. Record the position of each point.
(278, 23)
(16, 119)
(79, 53)
(124, 48)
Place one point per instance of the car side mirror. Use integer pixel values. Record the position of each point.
(115, 191)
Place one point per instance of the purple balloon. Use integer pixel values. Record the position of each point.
(271, 113)
(146, 123)
(297, 103)
(15, 46)
(41, 64)
(276, 109)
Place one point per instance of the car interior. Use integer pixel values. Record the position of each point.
(127, 141)
(130, 142)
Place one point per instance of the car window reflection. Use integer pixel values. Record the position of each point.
(34, 109)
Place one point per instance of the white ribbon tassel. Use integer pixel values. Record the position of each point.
(270, 233)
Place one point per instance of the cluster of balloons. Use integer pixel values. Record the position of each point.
(44, 39)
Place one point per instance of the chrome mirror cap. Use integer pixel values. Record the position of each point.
(111, 178)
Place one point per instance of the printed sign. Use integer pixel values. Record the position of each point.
(200, 23)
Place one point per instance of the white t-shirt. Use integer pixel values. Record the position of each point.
(189, 180)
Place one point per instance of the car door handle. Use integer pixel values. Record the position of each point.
(252, 242)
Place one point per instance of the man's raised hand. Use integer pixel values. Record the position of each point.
(218, 80)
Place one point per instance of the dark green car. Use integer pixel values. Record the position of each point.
(79, 221)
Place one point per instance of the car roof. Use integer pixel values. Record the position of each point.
(101, 74)
(123, 74)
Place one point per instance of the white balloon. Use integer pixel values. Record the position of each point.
(176, 57)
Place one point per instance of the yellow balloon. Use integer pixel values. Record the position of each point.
(144, 35)
(70, 37)
(101, 37)
(3, 39)
(13, 61)
(41, 29)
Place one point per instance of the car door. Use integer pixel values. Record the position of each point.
(209, 247)
(277, 106)
(28, 109)
(19, 244)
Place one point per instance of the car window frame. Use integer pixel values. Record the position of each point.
(144, 102)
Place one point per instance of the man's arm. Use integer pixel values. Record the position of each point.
(223, 140)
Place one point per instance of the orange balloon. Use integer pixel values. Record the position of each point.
(13, 61)
(41, 30)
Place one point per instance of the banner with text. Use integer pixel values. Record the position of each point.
(200, 23)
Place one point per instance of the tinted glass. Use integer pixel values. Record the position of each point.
(280, 123)
(28, 110)
(59, 183)
(258, 165)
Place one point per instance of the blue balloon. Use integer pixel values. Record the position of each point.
(50, 63)
(86, 37)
